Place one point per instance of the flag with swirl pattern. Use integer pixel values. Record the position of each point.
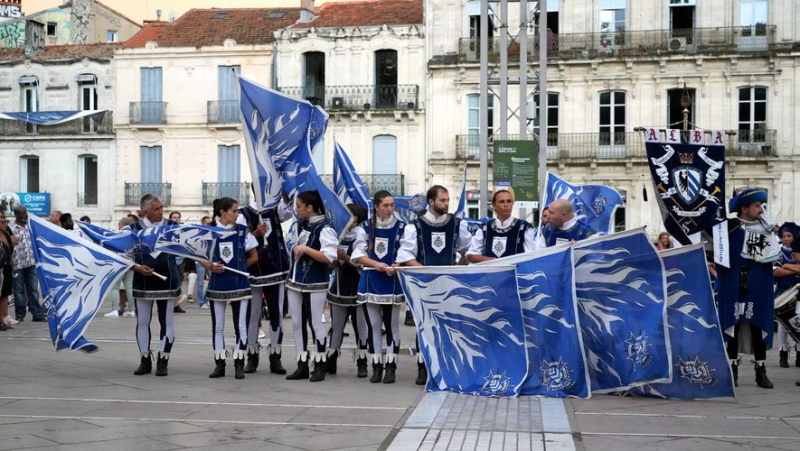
(192, 241)
(407, 207)
(125, 242)
(557, 363)
(471, 333)
(75, 275)
(346, 182)
(593, 204)
(699, 361)
(622, 301)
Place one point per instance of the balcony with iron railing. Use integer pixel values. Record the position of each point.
(148, 113)
(358, 98)
(99, 125)
(223, 112)
(614, 44)
(562, 146)
(394, 183)
(135, 191)
(239, 191)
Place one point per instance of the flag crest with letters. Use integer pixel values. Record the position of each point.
(689, 179)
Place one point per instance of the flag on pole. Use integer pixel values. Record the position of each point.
(469, 322)
(126, 242)
(593, 204)
(346, 182)
(621, 292)
(461, 209)
(192, 241)
(557, 362)
(700, 363)
(75, 276)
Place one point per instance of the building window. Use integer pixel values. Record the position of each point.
(752, 114)
(29, 90)
(151, 165)
(386, 79)
(151, 107)
(612, 22)
(87, 101)
(87, 180)
(51, 29)
(314, 77)
(612, 118)
(675, 100)
(474, 114)
(552, 117)
(228, 94)
(29, 174)
(229, 159)
(384, 154)
(112, 36)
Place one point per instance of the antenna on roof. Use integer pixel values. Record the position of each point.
(173, 16)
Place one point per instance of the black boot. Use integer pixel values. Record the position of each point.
(330, 365)
(390, 369)
(377, 373)
(409, 319)
(422, 374)
(735, 371)
(252, 363)
(145, 366)
(219, 370)
(238, 368)
(797, 358)
(361, 364)
(275, 365)
(301, 372)
(784, 359)
(161, 365)
(319, 371)
(761, 376)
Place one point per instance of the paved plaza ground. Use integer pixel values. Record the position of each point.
(72, 401)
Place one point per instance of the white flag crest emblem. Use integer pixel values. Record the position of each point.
(687, 180)
(226, 252)
(499, 245)
(381, 247)
(438, 240)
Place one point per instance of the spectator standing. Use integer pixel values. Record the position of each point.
(25, 283)
(6, 249)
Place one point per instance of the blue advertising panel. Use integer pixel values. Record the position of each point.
(37, 203)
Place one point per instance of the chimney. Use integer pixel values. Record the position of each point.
(158, 15)
(308, 5)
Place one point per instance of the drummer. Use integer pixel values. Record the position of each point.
(786, 272)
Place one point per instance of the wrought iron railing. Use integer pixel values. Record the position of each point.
(87, 199)
(754, 143)
(363, 97)
(239, 191)
(135, 191)
(223, 111)
(148, 113)
(100, 124)
(713, 40)
(394, 183)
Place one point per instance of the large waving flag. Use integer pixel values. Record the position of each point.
(75, 276)
(346, 182)
(192, 241)
(594, 204)
(469, 321)
(621, 292)
(126, 242)
(700, 363)
(287, 128)
(407, 207)
(557, 363)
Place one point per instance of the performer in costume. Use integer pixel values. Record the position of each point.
(149, 289)
(506, 235)
(269, 275)
(237, 252)
(313, 254)
(563, 226)
(787, 273)
(342, 297)
(745, 289)
(379, 290)
(433, 239)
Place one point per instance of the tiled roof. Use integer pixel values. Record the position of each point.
(208, 27)
(54, 53)
(367, 13)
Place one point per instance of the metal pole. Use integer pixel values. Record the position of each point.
(523, 78)
(542, 95)
(483, 140)
(503, 125)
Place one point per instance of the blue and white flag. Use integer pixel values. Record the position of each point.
(50, 117)
(407, 207)
(471, 332)
(557, 363)
(192, 241)
(461, 208)
(126, 242)
(621, 291)
(75, 276)
(346, 182)
(700, 363)
(593, 204)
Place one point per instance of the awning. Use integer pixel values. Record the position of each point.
(49, 117)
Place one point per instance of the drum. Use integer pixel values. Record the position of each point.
(786, 311)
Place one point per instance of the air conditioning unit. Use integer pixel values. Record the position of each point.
(677, 44)
(338, 103)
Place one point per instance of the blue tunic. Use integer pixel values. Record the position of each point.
(554, 235)
(344, 288)
(507, 240)
(307, 274)
(784, 283)
(152, 287)
(378, 287)
(273, 260)
(229, 286)
(754, 289)
(436, 243)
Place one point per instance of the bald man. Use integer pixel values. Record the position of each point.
(564, 226)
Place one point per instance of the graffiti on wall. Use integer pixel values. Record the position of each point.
(107, 15)
(63, 20)
(81, 21)
(34, 36)
(12, 34)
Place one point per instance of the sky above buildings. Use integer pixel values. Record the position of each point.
(140, 10)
